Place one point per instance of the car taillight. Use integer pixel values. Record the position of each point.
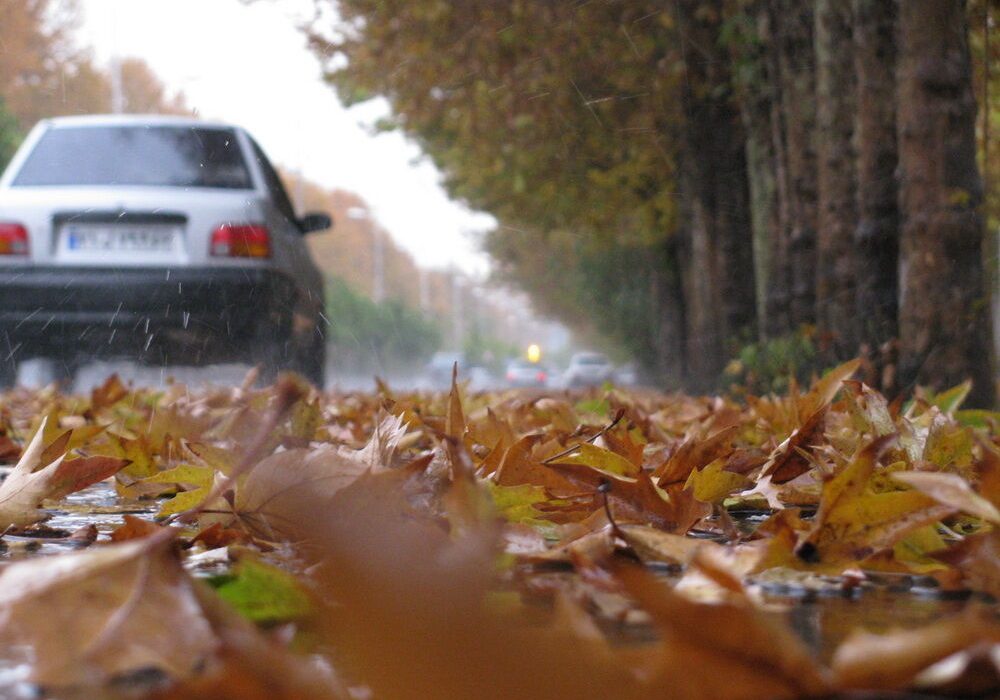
(13, 239)
(241, 241)
(540, 377)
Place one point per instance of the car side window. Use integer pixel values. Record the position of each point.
(274, 185)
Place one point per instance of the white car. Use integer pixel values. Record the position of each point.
(588, 369)
(522, 373)
(162, 239)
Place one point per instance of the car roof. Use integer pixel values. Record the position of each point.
(133, 120)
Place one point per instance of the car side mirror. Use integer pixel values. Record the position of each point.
(315, 221)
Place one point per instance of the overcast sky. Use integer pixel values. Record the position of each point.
(248, 65)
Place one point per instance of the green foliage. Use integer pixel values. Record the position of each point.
(10, 135)
(367, 335)
(768, 366)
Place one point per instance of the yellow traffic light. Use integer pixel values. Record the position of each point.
(534, 353)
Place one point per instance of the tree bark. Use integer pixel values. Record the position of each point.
(716, 245)
(837, 211)
(666, 297)
(794, 40)
(758, 109)
(877, 233)
(945, 331)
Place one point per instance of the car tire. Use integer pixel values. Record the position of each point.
(310, 361)
(8, 373)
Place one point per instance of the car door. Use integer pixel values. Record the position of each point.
(289, 249)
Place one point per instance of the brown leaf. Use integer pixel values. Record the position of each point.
(721, 650)
(951, 490)
(32, 481)
(694, 454)
(977, 557)
(108, 393)
(134, 528)
(891, 661)
(88, 616)
(249, 666)
(638, 499)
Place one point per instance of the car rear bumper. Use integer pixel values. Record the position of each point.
(201, 312)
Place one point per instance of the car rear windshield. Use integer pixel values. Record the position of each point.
(144, 156)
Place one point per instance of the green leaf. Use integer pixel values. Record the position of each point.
(951, 399)
(977, 418)
(264, 593)
(599, 406)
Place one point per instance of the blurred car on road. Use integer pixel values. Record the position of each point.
(626, 375)
(165, 240)
(587, 369)
(438, 370)
(522, 373)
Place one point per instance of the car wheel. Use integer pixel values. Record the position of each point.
(269, 356)
(8, 373)
(310, 362)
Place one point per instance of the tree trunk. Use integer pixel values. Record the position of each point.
(666, 298)
(877, 233)
(945, 333)
(794, 40)
(837, 211)
(716, 246)
(758, 107)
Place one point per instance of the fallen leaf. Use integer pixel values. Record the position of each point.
(31, 482)
(84, 617)
(726, 650)
(951, 490)
(891, 661)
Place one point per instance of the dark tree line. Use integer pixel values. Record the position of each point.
(690, 176)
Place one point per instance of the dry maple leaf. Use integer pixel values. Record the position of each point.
(977, 557)
(853, 523)
(85, 617)
(30, 483)
(891, 661)
(267, 501)
(249, 666)
(726, 650)
(638, 499)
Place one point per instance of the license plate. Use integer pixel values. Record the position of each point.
(146, 239)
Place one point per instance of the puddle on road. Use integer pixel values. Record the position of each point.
(96, 505)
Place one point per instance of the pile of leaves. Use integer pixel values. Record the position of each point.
(602, 544)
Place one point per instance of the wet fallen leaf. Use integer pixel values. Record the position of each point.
(84, 617)
(33, 481)
(881, 661)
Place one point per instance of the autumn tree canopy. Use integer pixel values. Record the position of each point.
(690, 177)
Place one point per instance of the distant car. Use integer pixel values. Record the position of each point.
(587, 369)
(439, 369)
(626, 375)
(162, 239)
(522, 373)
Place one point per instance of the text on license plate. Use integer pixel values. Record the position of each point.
(120, 238)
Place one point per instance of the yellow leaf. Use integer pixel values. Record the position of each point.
(602, 460)
(951, 490)
(712, 484)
